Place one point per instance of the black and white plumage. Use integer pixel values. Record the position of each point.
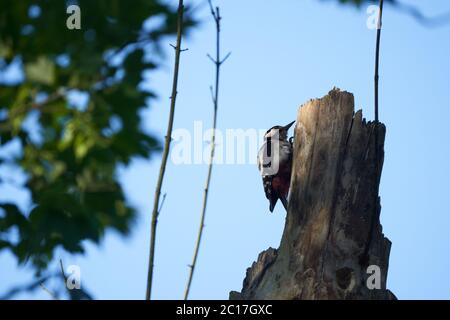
(275, 164)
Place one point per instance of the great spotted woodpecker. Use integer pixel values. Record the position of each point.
(275, 164)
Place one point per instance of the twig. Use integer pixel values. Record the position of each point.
(33, 105)
(377, 57)
(59, 94)
(211, 89)
(226, 57)
(175, 48)
(64, 276)
(22, 288)
(162, 203)
(375, 216)
(63, 273)
(51, 294)
(62, 269)
(165, 154)
(377, 122)
(215, 97)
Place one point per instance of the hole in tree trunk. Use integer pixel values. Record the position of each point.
(344, 277)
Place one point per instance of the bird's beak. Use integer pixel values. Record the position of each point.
(288, 126)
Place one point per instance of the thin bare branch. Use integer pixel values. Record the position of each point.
(212, 95)
(377, 57)
(166, 150)
(213, 13)
(50, 293)
(375, 217)
(56, 96)
(211, 58)
(162, 203)
(215, 97)
(62, 269)
(226, 57)
(175, 48)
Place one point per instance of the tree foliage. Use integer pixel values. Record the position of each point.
(69, 150)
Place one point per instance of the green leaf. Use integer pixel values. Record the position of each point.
(41, 71)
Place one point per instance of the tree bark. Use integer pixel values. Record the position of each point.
(332, 232)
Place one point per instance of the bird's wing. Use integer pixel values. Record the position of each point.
(267, 183)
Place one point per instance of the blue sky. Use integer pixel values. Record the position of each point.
(284, 53)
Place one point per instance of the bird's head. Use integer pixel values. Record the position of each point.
(278, 132)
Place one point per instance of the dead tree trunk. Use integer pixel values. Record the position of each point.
(332, 232)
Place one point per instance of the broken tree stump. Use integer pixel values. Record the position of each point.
(332, 232)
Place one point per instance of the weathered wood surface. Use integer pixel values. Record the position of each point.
(332, 231)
